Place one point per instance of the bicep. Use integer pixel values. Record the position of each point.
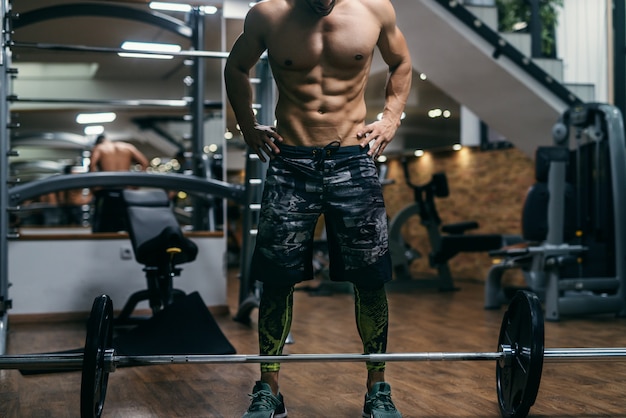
(245, 53)
(249, 46)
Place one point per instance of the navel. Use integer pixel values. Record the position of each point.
(358, 57)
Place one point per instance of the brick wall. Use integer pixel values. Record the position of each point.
(485, 186)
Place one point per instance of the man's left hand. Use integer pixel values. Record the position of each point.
(378, 134)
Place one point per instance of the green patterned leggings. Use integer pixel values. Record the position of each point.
(276, 312)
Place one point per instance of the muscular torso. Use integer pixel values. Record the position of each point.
(321, 67)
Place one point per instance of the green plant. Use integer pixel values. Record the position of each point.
(515, 13)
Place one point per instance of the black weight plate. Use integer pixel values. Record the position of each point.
(523, 330)
(95, 376)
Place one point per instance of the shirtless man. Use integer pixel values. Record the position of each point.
(115, 156)
(106, 155)
(321, 162)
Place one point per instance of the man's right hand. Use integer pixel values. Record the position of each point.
(263, 141)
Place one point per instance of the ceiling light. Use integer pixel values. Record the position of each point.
(94, 130)
(89, 118)
(170, 7)
(178, 7)
(434, 113)
(457, 147)
(148, 47)
(209, 10)
(138, 55)
(418, 153)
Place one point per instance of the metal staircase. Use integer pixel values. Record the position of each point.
(522, 41)
(490, 73)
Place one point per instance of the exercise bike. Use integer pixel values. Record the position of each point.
(446, 241)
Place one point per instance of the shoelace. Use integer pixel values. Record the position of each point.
(262, 401)
(382, 400)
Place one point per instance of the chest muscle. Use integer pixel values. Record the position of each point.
(331, 43)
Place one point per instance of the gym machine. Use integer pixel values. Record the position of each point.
(572, 225)
(446, 241)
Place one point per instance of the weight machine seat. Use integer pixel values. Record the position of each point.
(159, 244)
(153, 229)
(451, 245)
(459, 227)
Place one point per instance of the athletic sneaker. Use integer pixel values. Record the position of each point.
(265, 404)
(378, 402)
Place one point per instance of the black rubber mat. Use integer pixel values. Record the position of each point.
(184, 327)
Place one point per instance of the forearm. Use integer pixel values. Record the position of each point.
(397, 91)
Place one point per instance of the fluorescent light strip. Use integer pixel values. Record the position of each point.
(170, 7)
(139, 55)
(178, 7)
(148, 47)
(89, 118)
(94, 129)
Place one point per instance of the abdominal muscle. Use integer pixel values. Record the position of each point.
(312, 128)
(320, 113)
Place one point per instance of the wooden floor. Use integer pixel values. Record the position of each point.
(421, 320)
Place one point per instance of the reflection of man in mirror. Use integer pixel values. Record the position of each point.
(109, 212)
(110, 155)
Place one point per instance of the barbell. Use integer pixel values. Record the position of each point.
(519, 357)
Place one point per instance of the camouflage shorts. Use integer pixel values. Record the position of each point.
(341, 183)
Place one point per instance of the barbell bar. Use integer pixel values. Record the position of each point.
(74, 361)
(519, 357)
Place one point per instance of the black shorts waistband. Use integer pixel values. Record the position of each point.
(331, 150)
